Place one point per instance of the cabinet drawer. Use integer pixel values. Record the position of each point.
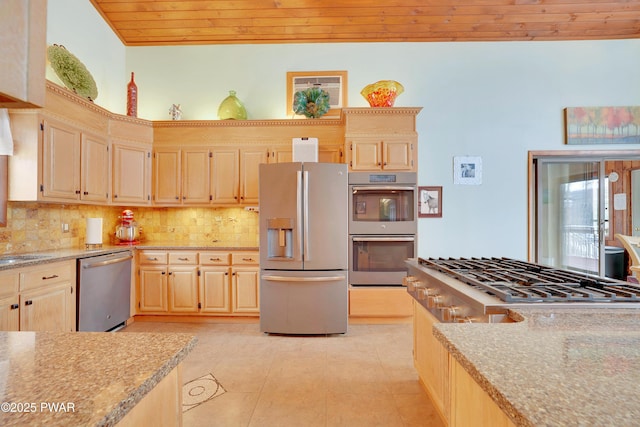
(182, 258)
(245, 258)
(47, 274)
(215, 258)
(153, 258)
(9, 283)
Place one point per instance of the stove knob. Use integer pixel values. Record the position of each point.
(434, 301)
(423, 292)
(410, 282)
(451, 313)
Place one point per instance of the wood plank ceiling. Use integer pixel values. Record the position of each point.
(158, 22)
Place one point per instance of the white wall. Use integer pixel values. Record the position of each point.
(494, 100)
(79, 27)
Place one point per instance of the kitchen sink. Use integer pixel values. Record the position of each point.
(11, 259)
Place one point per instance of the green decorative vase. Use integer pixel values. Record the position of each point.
(232, 108)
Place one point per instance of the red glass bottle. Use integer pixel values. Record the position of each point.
(132, 98)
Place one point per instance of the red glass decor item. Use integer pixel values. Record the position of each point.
(132, 98)
(382, 93)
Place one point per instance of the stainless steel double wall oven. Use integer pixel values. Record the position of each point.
(382, 227)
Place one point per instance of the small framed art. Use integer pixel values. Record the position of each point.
(467, 170)
(430, 202)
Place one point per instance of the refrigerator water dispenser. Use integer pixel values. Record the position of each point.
(280, 237)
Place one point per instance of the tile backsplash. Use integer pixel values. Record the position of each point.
(33, 227)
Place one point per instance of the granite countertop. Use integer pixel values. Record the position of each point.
(98, 377)
(555, 367)
(78, 253)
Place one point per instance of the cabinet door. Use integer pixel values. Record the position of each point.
(431, 359)
(94, 169)
(61, 161)
(365, 155)
(131, 174)
(250, 160)
(280, 154)
(166, 176)
(46, 309)
(246, 285)
(225, 175)
(397, 155)
(330, 154)
(183, 289)
(9, 314)
(215, 290)
(195, 176)
(153, 289)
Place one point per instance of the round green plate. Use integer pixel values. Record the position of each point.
(72, 72)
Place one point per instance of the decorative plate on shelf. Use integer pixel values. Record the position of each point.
(72, 72)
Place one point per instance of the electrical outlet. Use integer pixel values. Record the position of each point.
(65, 228)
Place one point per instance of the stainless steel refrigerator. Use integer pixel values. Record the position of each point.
(303, 248)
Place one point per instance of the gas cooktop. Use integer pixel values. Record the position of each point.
(515, 281)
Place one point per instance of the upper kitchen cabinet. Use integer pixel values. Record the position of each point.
(379, 139)
(236, 149)
(67, 144)
(23, 44)
(131, 146)
(180, 176)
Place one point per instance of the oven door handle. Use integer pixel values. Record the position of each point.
(383, 239)
(381, 187)
(303, 279)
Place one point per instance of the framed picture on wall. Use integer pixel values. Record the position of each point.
(467, 170)
(334, 82)
(430, 202)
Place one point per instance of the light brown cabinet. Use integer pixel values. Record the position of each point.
(234, 175)
(39, 298)
(23, 33)
(379, 139)
(192, 282)
(75, 165)
(431, 359)
(370, 154)
(131, 173)
(181, 176)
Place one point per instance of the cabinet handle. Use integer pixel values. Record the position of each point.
(163, 273)
(170, 273)
(385, 163)
(28, 302)
(50, 277)
(86, 193)
(226, 273)
(77, 191)
(215, 259)
(247, 259)
(15, 306)
(233, 274)
(115, 196)
(183, 259)
(152, 259)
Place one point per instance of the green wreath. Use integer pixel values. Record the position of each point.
(312, 102)
(72, 72)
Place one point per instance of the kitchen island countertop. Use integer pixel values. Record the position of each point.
(555, 367)
(82, 378)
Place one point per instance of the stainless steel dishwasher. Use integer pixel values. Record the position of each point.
(103, 291)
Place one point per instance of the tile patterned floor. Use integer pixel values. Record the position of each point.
(363, 378)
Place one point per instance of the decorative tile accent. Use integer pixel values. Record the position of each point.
(200, 390)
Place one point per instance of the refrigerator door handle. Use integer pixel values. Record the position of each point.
(303, 279)
(307, 254)
(299, 213)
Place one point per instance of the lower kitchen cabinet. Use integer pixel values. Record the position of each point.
(471, 405)
(39, 298)
(431, 359)
(458, 398)
(153, 289)
(206, 283)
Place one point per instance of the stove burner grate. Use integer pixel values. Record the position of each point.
(519, 281)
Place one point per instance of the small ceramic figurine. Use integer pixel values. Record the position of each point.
(175, 112)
